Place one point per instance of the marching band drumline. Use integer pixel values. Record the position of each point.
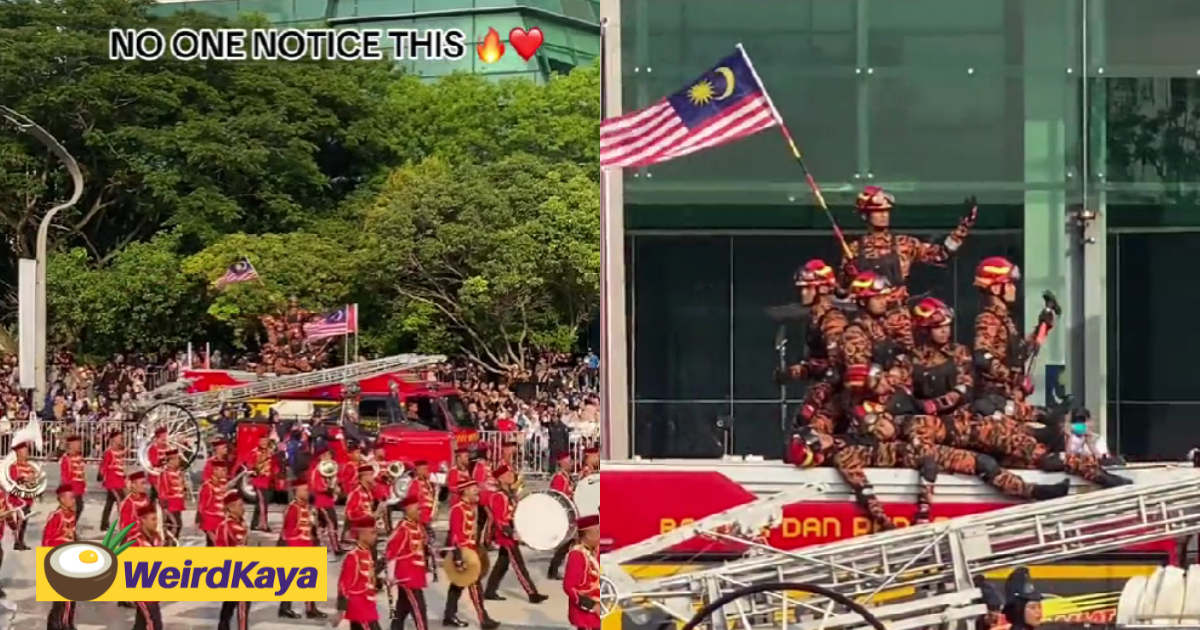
(485, 502)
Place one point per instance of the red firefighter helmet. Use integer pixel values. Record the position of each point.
(803, 447)
(869, 284)
(996, 271)
(874, 199)
(931, 313)
(816, 273)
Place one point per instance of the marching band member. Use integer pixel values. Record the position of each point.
(460, 473)
(148, 615)
(591, 462)
(299, 531)
(407, 555)
(232, 532)
(424, 493)
(381, 491)
(502, 505)
(10, 521)
(582, 580)
(562, 482)
(171, 494)
(21, 471)
(60, 528)
(219, 456)
(464, 534)
(71, 471)
(112, 475)
(481, 473)
(324, 498)
(356, 583)
(156, 454)
(360, 503)
(135, 500)
(262, 475)
(348, 472)
(508, 455)
(210, 508)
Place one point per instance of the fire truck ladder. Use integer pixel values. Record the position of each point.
(940, 559)
(209, 402)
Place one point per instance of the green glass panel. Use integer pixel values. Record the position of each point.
(1155, 37)
(221, 8)
(553, 34)
(1152, 135)
(586, 43)
(487, 4)
(441, 5)
(276, 11)
(345, 8)
(502, 22)
(309, 10)
(553, 6)
(510, 62)
(367, 8)
(581, 10)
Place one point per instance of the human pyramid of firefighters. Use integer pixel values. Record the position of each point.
(889, 387)
(482, 496)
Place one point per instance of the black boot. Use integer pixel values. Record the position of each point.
(286, 612)
(537, 598)
(454, 622)
(1047, 491)
(493, 596)
(1109, 480)
(315, 613)
(489, 624)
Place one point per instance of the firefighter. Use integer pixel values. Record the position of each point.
(502, 505)
(464, 534)
(324, 498)
(582, 580)
(1023, 601)
(60, 528)
(892, 255)
(563, 483)
(71, 470)
(112, 475)
(299, 527)
(407, 555)
(1000, 348)
(876, 346)
(147, 615)
(943, 373)
(357, 582)
(171, 494)
(232, 532)
(210, 507)
(852, 454)
(816, 283)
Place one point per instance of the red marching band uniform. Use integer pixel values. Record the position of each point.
(464, 534)
(112, 476)
(562, 482)
(581, 583)
(323, 491)
(263, 471)
(406, 555)
(171, 495)
(60, 528)
(156, 454)
(460, 473)
(133, 502)
(356, 583)
(148, 615)
(21, 471)
(360, 503)
(71, 472)
(210, 508)
(299, 530)
(219, 458)
(502, 506)
(232, 532)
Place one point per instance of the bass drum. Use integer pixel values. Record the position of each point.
(587, 495)
(544, 520)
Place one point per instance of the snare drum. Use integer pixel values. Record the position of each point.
(544, 520)
(587, 495)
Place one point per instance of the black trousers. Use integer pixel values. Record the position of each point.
(560, 556)
(454, 594)
(19, 541)
(355, 625)
(327, 524)
(260, 510)
(229, 609)
(410, 601)
(174, 522)
(79, 502)
(111, 499)
(509, 554)
(61, 617)
(147, 616)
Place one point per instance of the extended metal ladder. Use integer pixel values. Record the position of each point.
(204, 402)
(941, 557)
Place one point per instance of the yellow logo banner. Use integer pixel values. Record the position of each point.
(84, 571)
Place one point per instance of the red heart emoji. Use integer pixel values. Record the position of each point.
(526, 43)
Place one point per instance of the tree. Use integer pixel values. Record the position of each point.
(496, 261)
(204, 148)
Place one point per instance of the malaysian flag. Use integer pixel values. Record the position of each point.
(240, 271)
(724, 104)
(340, 322)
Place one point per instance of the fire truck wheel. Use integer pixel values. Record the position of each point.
(183, 430)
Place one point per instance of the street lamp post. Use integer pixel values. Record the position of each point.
(22, 123)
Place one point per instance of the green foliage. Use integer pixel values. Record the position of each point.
(461, 214)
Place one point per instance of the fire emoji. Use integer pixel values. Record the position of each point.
(490, 49)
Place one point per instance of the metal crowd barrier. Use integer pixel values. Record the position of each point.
(533, 451)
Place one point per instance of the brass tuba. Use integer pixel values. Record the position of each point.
(31, 434)
(143, 456)
(400, 486)
(395, 469)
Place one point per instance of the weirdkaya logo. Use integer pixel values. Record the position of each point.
(91, 571)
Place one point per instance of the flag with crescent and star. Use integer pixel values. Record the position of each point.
(726, 103)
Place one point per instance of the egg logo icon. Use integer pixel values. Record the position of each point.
(81, 571)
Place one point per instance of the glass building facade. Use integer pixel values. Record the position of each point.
(571, 27)
(1039, 108)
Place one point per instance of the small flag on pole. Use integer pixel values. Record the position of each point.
(726, 103)
(340, 322)
(240, 271)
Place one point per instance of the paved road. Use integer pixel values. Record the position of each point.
(17, 576)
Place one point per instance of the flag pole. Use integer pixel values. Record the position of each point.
(799, 157)
(354, 354)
